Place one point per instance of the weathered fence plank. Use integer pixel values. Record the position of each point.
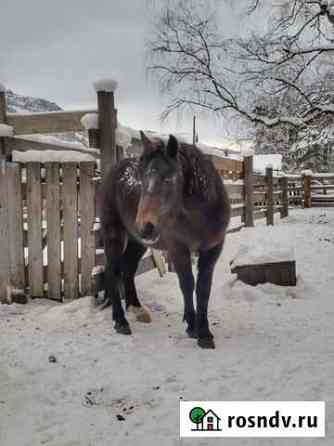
(234, 188)
(324, 187)
(35, 252)
(70, 216)
(15, 221)
(270, 196)
(249, 189)
(285, 197)
(53, 230)
(237, 210)
(3, 120)
(87, 217)
(4, 255)
(4, 237)
(159, 262)
(307, 181)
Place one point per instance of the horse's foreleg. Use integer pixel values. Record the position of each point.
(114, 244)
(181, 259)
(130, 259)
(206, 264)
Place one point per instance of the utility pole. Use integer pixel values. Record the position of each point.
(194, 130)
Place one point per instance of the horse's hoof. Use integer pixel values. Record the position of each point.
(206, 343)
(103, 302)
(123, 328)
(192, 333)
(141, 314)
(99, 300)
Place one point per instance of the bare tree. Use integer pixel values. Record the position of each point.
(198, 67)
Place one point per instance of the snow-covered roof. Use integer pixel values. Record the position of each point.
(261, 162)
(90, 121)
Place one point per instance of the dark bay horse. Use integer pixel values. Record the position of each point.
(171, 198)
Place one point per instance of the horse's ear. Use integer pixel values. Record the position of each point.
(149, 147)
(172, 146)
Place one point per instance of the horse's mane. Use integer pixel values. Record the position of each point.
(197, 169)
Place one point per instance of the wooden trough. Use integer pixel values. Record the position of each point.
(278, 273)
(264, 261)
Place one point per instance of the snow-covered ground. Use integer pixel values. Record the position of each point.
(272, 343)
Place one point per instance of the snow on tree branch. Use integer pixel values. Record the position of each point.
(199, 68)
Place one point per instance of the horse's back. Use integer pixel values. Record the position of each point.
(119, 193)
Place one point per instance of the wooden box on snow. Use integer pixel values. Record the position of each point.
(279, 273)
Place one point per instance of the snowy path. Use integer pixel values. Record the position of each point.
(272, 344)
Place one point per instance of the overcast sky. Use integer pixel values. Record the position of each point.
(56, 49)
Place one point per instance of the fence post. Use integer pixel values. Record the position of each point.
(249, 187)
(4, 236)
(107, 120)
(15, 222)
(3, 120)
(270, 196)
(285, 197)
(307, 180)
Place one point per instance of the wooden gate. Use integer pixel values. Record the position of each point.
(47, 214)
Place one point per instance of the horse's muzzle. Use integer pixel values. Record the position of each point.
(149, 233)
(147, 220)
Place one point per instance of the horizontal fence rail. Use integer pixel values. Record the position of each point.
(43, 123)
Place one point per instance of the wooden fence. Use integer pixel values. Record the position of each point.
(311, 189)
(49, 215)
(49, 229)
(270, 196)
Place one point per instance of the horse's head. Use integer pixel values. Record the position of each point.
(158, 169)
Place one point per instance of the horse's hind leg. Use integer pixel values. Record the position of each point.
(130, 260)
(206, 264)
(181, 258)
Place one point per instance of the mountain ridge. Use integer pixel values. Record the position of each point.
(17, 103)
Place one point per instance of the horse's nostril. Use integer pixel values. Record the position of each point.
(148, 230)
